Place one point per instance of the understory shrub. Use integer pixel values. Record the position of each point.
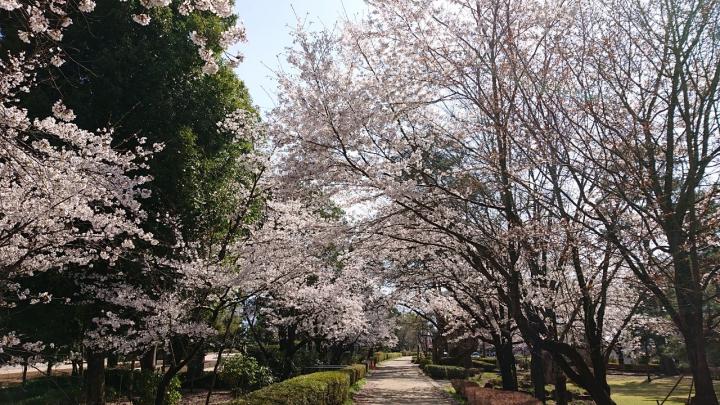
(446, 372)
(356, 372)
(423, 360)
(323, 388)
(147, 384)
(382, 356)
(484, 365)
(243, 374)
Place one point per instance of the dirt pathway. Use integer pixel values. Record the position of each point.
(401, 382)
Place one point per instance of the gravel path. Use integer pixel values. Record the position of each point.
(401, 382)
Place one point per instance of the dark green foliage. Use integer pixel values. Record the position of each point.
(147, 384)
(446, 372)
(423, 360)
(324, 388)
(484, 365)
(63, 390)
(243, 374)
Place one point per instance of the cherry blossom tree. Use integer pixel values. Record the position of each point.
(424, 113)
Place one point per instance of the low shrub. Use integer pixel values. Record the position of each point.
(484, 365)
(356, 372)
(243, 373)
(147, 383)
(423, 361)
(449, 361)
(382, 356)
(446, 372)
(323, 388)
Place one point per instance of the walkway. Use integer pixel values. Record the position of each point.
(401, 382)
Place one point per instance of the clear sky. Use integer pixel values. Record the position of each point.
(268, 25)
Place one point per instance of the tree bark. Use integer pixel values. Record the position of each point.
(148, 360)
(537, 373)
(95, 379)
(507, 366)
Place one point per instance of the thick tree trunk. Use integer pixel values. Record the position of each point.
(112, 360)
(704, 390)
(195, 368)
(506, 364)
(537, 373)
(690, 308)
(95, 379)
(560, 389)
(148, 360)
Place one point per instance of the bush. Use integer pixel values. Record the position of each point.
(356, 372)
(446, 372)
(243, 373)
(148, 383)
(323, 388)
(382, 356)
(484, 365)
(423, 361)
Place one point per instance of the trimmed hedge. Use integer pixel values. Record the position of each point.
(323, 388)
(356, 372)
(382, 356)
(484, 365)
(446, 372)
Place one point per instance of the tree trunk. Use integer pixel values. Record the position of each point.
(537, 373)
(95, 379)
(560, 389)
(195, 368)
(506, 364)
(148, 360)
(112, 360)
(704, 390)
(690, 308)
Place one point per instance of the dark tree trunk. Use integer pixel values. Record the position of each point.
(112, 360)
(507, 366)
(195, 368)
(537, 373)
(148, 360)
(95, 379)
(561, 394)
(704, 390)
(689, 294)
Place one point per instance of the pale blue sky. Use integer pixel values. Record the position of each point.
(268, 25)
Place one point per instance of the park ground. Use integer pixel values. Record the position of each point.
(636, 390)
(397, 382)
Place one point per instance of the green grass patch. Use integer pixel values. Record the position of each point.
(58, 390)
(354, 389)
(636, 390)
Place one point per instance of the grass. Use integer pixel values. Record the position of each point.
(43, 391)
(354, 389)
(636, 390)
(633, 389)
(451, 391)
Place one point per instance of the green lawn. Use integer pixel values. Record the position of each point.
(632, 390)
(635, 390)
